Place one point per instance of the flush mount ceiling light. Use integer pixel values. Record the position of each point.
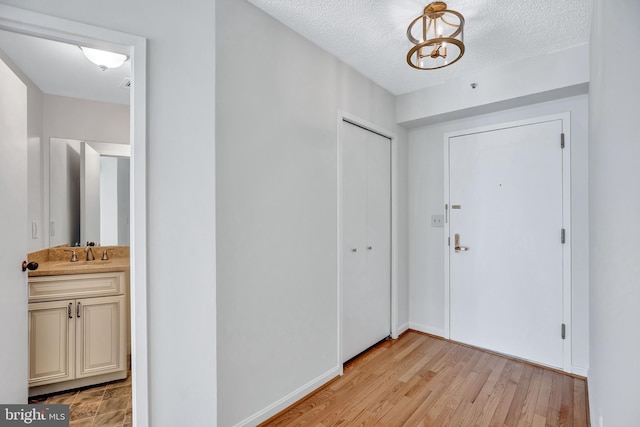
(104, 59)
(438, 37)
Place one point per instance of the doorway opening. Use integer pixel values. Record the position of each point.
(18, 21)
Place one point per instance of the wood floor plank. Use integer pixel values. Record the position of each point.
(504, 404)
(566, 407)
(555, 401)
(478, 402)
(419, 380)
(531, 399)
(513, 416)
(579, 403)
(496, 396)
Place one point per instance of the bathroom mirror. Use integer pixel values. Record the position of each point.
(88, 192)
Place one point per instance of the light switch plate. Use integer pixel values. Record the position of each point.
(437, 221)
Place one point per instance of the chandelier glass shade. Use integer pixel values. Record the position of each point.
(437, 37)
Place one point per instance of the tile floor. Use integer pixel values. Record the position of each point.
(105, 405)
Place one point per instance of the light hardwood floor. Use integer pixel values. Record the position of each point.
(419, 380)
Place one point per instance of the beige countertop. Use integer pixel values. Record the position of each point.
(55, 261)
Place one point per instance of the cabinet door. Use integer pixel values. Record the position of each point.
(100, 335)
(51, 342)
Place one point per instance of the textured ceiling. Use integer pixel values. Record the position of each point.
(370, 35)
(62, 69)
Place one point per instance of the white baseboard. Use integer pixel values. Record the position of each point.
(289, 399)
(401, 329)
(427, 329)
(579, 370)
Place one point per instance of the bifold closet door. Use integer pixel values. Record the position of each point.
(366, 221)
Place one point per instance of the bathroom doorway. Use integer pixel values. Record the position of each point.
(17, 21)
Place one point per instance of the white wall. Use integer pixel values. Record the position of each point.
(180, 173)
(426, 198)
(108, 201)
(614, 206)
(403, 229)
(559, 74)
(124, 201)
(89, 195)
(86, 120)
(64, 189)
(278, 97)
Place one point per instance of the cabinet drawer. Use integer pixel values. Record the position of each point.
(47, 288)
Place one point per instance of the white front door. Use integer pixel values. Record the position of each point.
(13, 231)
(505, 252)
(366, 224)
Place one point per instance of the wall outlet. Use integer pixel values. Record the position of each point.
(437, 221)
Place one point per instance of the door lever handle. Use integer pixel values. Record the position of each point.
(29, 265)
(457, 246)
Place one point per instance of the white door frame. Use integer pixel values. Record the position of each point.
(365, 124)
(566, 220)
(48, 27)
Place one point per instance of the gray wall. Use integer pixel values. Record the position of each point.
(180, 194)
(614, 207)
(277, 103)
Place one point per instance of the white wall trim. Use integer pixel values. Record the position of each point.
(358, 121)
(403, 328)
(291, 398)
(579, 370)
(427, 329)
(567, 295)
(48, 27)
(566, 220)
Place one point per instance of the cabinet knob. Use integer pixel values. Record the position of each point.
(354, 250)
(369, 247)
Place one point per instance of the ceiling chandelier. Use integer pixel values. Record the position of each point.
(438, 37)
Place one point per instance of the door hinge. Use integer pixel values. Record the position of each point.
(562, 140)
(562, 236)
(564, 331)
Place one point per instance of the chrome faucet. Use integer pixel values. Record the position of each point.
(89, 253)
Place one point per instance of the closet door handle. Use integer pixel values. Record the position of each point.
(69, 310)
(78, 309)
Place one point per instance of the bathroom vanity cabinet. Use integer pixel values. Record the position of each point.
(77, 330)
